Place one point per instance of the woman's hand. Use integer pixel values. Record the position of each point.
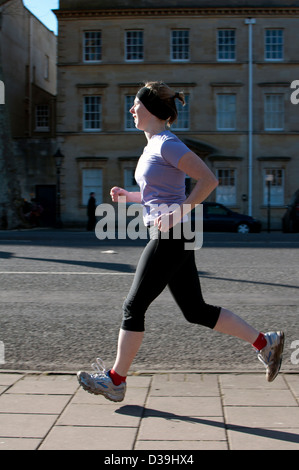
(122, 195)
(166, 221)
(117, 192)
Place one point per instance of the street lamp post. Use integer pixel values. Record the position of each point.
(58, 157)
(250, 22)
(269, 179)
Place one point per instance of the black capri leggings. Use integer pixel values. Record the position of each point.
(167, 262)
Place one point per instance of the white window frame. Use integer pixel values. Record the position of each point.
(226, 45)
(226, 107)
(92, 181)
(134, 46)
(97, 103)
(226, 191)
(274, 112)
(42, 118)
(98, 46)
(274, 49)
(183, 120)
(276, 186)
(180, 45)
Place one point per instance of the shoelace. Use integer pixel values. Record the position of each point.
(99, 367)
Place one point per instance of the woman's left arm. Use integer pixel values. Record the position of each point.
(206, 182)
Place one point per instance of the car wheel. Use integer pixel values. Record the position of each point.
(243, 228)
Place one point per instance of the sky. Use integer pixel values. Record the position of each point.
(42, 10)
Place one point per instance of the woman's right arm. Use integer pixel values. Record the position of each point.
(117, 192)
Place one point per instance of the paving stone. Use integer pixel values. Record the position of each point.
(47, 384)
(184, 406)
(99, 415)
(40, 404)
(10, 443)
(9, 379)
(25, 425)
(263, 439)
(262, 417)
(251, 381)
(89, 438)
(181, 445)
(259, 397)
(189, 428)
(193, 385)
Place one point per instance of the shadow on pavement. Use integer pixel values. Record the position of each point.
(139, 411)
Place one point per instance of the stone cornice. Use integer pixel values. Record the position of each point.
(164, 12)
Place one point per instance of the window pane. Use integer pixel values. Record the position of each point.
(92, 182)
(216, 210)
(274, 44)
(134, 45)
(276, 187)
(130, 182)
(274, 112)
(129, 121)
(226, 42)
(226, 189)
(42, 117)
(92, 46)
(180, 45)
(226, 112)
(182, 121)
(92, 113)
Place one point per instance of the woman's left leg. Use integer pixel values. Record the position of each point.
(231, 324)
(186, 289)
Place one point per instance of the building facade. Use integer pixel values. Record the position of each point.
(28, 58)
(235, 61)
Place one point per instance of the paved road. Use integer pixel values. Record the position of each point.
(61, 294)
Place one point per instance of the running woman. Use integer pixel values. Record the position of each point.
(165, 261)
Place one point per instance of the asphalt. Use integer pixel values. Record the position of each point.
(178, 414)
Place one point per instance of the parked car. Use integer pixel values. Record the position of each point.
(218, 218)
(290, 220)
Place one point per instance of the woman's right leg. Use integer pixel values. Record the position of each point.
(159, 260)
(149, 281)
(128, 346)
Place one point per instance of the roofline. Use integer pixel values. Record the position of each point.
(170, 11)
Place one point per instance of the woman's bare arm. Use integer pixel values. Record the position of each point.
(206, 182)
(131, 196)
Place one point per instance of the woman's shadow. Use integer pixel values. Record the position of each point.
(143, 413)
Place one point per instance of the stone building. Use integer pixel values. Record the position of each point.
(235, 61)
(28, 56)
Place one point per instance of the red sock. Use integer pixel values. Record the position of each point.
(260, 342)
(116, 378)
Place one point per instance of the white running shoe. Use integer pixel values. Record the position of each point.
(271, 355)
(100, 383)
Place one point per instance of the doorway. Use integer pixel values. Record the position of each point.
(46, 196)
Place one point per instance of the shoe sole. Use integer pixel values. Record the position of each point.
(94, 392)
(279, 354)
